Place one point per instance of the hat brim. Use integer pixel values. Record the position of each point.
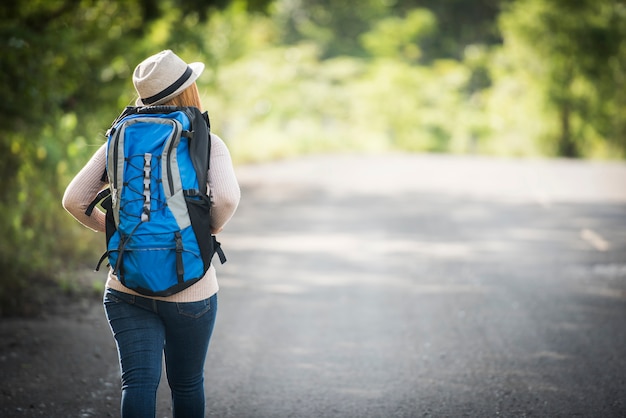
(196, 67)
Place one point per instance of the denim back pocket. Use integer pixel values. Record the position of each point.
(193, 309)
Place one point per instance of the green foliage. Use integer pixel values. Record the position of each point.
(334, 25)
(576, 55)
(400, 38)
(295, 101)
(45, 74)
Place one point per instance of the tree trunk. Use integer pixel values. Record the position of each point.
(567, 147)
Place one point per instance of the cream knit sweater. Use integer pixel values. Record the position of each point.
(225, 193)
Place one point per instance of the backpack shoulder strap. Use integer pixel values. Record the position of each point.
(128, 110)
(200, 145)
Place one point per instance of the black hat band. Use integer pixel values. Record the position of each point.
(171, 89)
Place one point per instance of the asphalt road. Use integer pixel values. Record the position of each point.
(387, 286)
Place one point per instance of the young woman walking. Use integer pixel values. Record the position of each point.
(178, 326)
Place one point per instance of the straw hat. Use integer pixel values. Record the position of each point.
(162, 77)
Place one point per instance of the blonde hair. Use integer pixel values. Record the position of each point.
(189, 97)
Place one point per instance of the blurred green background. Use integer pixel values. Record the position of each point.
(514, 78)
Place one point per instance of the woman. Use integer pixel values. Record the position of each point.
(179, 325)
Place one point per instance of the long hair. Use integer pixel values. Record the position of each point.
(189, 97)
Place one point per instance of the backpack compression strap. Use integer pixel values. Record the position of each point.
(103, 193)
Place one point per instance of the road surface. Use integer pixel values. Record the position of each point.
(386, 286)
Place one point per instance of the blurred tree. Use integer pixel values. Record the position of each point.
(401, 38)
(460, 23)
(576, 50)
(335, 25)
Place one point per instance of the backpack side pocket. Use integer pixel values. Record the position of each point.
(199, 208)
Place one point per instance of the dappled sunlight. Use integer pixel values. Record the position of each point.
(603, 291)
(378, 247)
(540, 234)
(551, 355)
(348, 245)
(300, 282)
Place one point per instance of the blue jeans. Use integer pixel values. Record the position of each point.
(144, 329)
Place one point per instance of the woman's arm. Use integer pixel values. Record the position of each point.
(223, 184)
(83, 189)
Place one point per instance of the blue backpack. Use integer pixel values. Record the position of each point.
(158, 209)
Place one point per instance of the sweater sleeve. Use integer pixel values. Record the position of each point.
(225, 192)
(83, 189)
